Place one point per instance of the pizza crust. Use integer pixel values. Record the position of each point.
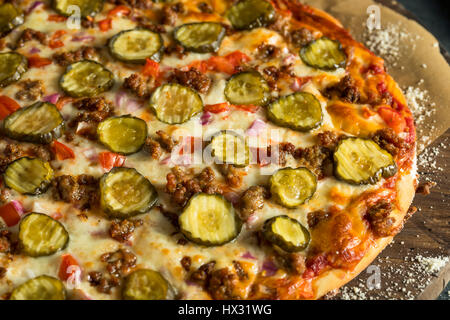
(336, 278)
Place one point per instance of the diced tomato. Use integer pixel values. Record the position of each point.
(392, 118)
(237, 57)
(105, 24)
(226, 64)
(151, 68)
(7, 106)
(57, 215)
(35, 61)
(62, 151)
(382, 88)
(217, 108)
(109, 160)
(56, 18)
(200, 65)
(69, 268)
(55, 41)
(11, 213)
(119, 11)
(247, 107)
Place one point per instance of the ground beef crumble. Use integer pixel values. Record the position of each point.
(301, 37)
(65, 58)
(317, 158)
(31, 90)
(118, 264)
(344, 89)
(192, 78)
(182, 185)
(379, 219)
(81, 191)
(156, 146)
(186, 263)
(122, 230)
(233, 176)
(5, 241)
(267, 51)
(170, 13)
(390, 141)
(251, 201)
(29, 35)
(314, 217)
(137, 85)
(93, 111)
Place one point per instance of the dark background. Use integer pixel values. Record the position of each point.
(434, 15)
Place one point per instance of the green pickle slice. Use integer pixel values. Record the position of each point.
(123, 134)
(247, 88)
(175, 104)
(362, 161)
(200, 37)
(209, 220)
(40, 288)
(12, 66)
(40, 123)
(250, 14)
(293, 187)
(10, 17)
(228, 147)
(41, 235)
(28, 175)
(124, 193)
(86, 78)
(86, 7)
(145, 284)
(286, 233)
(324, 53)
(136, 45)
(299, 111)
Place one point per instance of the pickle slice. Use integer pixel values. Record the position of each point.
(292, 187)
(40, 123)
(41, 235)
(250, 14)
(86, 78)
(28, 175)
(124, 192)
(362, 161)
(124, 134)
(200, 37)
(12, 66)
(175, 104)
(145, 284)
(247, 88)
(86, 7)
(324, 53)
(40, 288)
(10, 17)
(209, 220)
(136, 45)
(299, 111)
(286, 233)
(228, 147)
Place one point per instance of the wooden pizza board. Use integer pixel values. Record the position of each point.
(403, 268)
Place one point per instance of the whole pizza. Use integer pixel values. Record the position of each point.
(194, 150)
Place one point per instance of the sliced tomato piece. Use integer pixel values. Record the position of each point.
(247, 107)
(62, 151)
(109, 160)
(69, 269)
(7, 106)
(35, 61)
(105, 24)
(217, 108)
(119, 11)
(392, 118)
(151, 68)
(56, 18)
(11, 213)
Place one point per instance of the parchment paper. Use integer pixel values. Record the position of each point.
(419, 63)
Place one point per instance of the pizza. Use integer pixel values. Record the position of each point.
(194, 150)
